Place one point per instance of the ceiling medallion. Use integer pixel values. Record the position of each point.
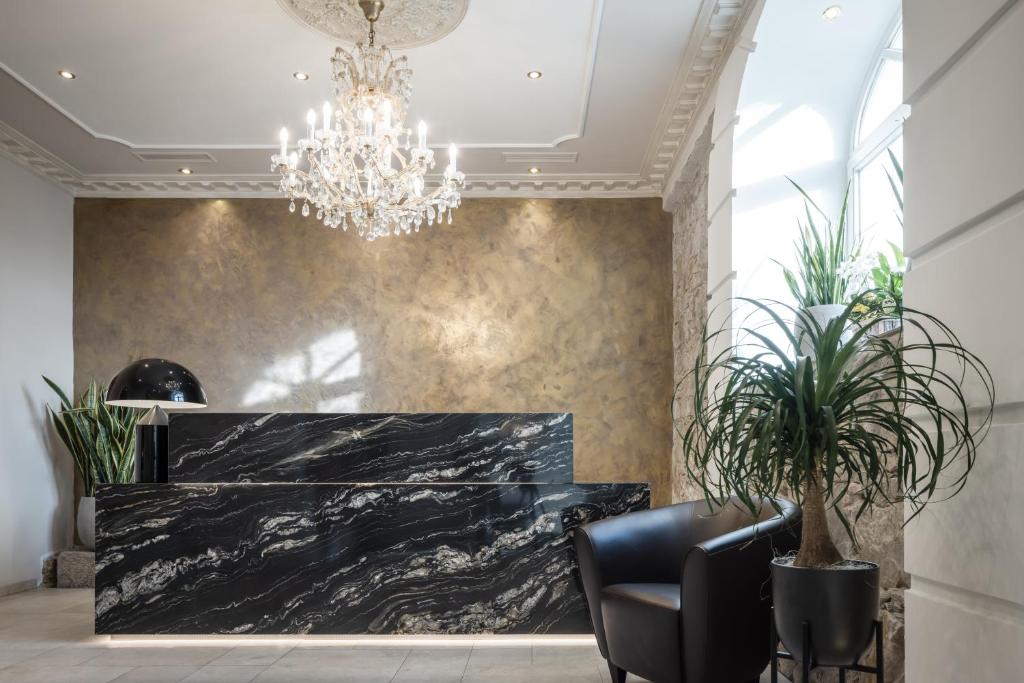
(408, 23)
(359, 165)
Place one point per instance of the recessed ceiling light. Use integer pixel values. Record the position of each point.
(65, 74)
(534, 170)
(533, 75)
(300, 76)
(832, 13)
(185, 171)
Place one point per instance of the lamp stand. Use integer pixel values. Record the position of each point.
(151, 447)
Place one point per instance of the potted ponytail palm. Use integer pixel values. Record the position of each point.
(885, 417)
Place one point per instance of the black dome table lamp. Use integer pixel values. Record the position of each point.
(154, 384)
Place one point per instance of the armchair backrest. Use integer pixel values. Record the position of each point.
(651, 546)
(726, 593)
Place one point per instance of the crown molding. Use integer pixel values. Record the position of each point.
(715, 33)
(566, 186)
(28, 154)
(36, 159)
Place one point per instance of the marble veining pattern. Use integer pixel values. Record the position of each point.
(383, 447)
(345, 558)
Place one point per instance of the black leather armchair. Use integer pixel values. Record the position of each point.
(679, 593)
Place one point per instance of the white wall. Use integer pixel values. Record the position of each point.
(36, 474)
(964, 151)
(797, 104)
(721, 188)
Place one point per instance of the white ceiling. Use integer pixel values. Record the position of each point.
(212, 79)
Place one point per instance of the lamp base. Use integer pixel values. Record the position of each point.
(151, 447)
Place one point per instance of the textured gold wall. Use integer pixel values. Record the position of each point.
(521, 305)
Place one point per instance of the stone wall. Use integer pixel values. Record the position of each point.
(689, 297)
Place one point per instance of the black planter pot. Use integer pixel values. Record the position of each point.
(841, 606)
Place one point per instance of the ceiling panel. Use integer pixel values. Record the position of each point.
(213, 78)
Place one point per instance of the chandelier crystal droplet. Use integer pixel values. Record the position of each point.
(359, 166)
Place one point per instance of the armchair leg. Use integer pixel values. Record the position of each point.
(618, 675)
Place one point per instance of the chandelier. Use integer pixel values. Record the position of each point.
(359, 166)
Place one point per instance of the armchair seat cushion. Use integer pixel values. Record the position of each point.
(643, 624)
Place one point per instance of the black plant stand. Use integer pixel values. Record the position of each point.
(808, 664)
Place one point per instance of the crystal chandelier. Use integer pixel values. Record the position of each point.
(359, 166)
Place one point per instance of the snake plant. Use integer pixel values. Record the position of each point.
(100, 438)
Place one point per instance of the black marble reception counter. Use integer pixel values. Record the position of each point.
(340, 558)
(445, 551)
(370, 447)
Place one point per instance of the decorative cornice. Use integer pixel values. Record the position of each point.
(694, 167)
(715, 32)
(567, 185)
(25, 152)
(583, 185)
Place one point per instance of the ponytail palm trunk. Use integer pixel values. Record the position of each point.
(888, 417)
(817, 549)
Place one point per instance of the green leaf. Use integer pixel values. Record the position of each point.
(821, 251)
(64, 402)
(100, 438)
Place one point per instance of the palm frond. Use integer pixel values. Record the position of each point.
(890, 417)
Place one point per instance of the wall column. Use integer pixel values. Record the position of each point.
(965, 235)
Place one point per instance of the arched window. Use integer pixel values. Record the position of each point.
(877, 154)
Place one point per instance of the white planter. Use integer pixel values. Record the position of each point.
(87, 522)
(822, 315)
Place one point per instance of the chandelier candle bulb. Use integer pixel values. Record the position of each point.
(451, 159)
(284, 142)
(422, 130)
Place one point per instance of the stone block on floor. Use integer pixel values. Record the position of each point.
(48, 579)
(76, 569)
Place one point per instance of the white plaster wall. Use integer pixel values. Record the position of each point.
(964, 216)
(721, 189)
(800, 92)
(36, 475)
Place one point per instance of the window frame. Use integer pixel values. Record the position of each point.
(866, 148)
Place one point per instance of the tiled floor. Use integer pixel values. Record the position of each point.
(47, 636)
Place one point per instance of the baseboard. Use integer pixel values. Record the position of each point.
(19, 587)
